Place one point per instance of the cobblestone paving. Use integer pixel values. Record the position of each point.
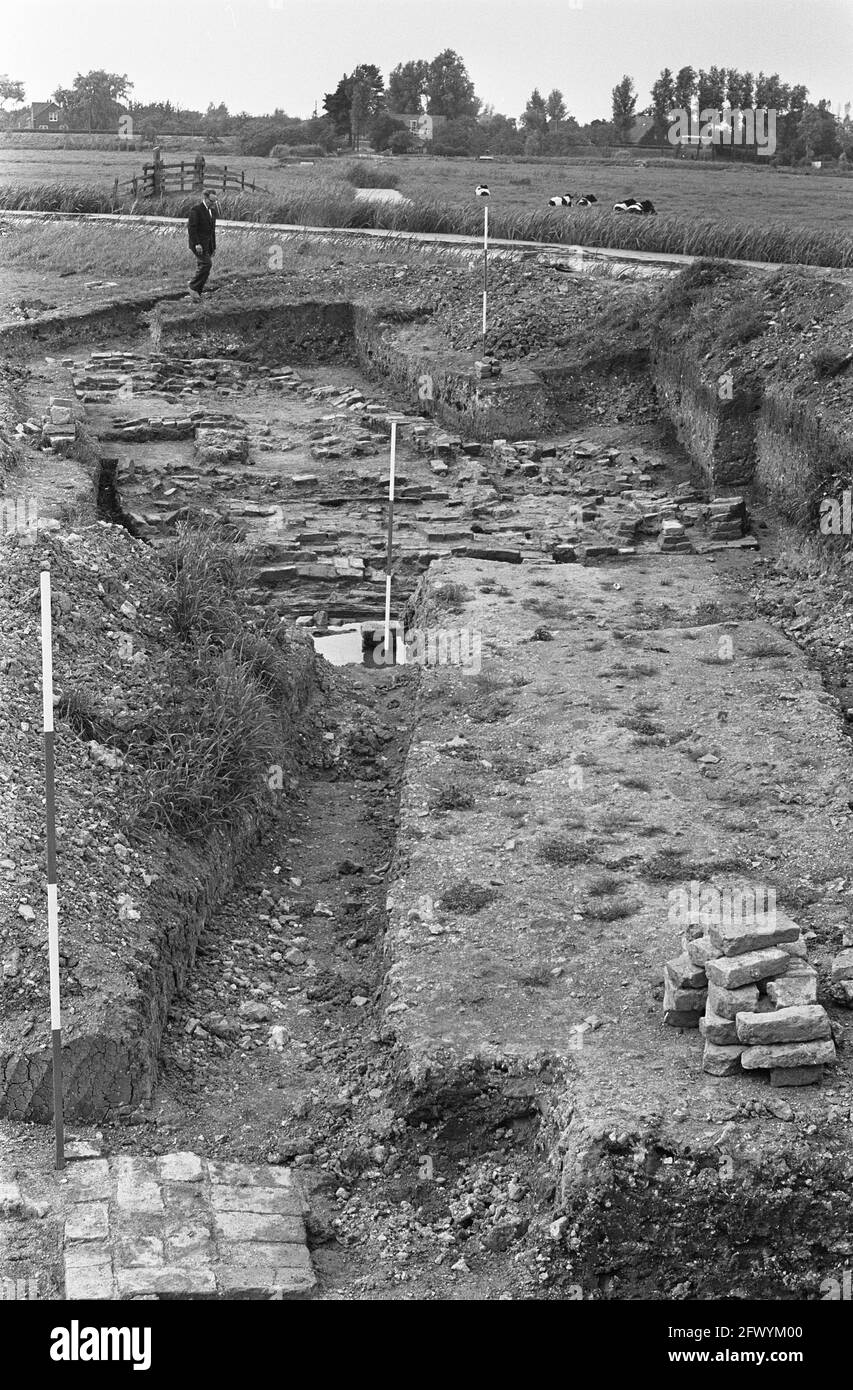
(178, 1227)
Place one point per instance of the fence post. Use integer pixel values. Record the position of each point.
(158, 171)
(224, 177)
(182, 176)
(198, 172)
(242, 178)
(115, 192)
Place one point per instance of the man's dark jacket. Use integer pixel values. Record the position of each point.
(202, 228)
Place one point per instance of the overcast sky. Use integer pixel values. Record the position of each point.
(256, 55)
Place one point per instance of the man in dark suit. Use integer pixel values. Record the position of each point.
(201, 228)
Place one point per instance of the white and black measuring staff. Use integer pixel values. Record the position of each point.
(52, 904)
(483, 192)
(390, 539)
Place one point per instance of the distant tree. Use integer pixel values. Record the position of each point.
(338, 105)
(563, 135)
(740, 89)
(599, 132)
(383, 128)
(449, 90)
(817, 133)
(355, 101)
(711, 89)
(534, 142)
(685, 88)
(501, 134)
(368, 98)
(94, 99)
(663, 101)
(11, 91)
(624, 101)
(407, 87)
(403, 142)
(534, 117)
(555, 106)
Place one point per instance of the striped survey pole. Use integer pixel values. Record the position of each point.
(390, 539)
(52, 905)
(482, 191)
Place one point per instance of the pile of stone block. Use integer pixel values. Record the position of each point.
(725, 518)
(841, 973)
(221, 445)
(59, 430)
(748, 987)
(673, 537)
(488, 367)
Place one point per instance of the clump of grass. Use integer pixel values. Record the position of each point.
(367, 176)
(468, 897)
(210, 767)
(610, 912)
(206, 758)
(208, 574)
(452, 798)
(548, 607)
(640, 784)
(560, 851)
(450, 596)
(604, 885)
(829, 362)
(638, 725)
(538, 977)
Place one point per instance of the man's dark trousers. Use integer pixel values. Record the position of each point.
(201, 228)
(205, 264)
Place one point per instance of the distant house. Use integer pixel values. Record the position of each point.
(419, 124)
(45, 115)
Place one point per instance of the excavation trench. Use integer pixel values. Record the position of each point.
(471, 970)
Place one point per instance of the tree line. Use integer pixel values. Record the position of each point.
(362, 108)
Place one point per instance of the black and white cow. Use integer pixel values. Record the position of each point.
(586, 200)
(560, 200)
(640, 207)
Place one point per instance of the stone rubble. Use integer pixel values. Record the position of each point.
(749, 989)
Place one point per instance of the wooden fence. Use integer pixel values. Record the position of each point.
(187, 176)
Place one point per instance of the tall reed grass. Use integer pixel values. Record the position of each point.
(336, 207)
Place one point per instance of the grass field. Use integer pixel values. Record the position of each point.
(742, 193)
(750, 212)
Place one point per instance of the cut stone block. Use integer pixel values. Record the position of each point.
(276, 1201)
(265, 1282)
(842, 966)
(683, 974)
(179, 1281)
(796, 948)
(180, 1167)
(798, 986)
(733, 971)
(802, 1054)
(683, 1018)
(798, 1023)
(683, 1000)
(239, 1226)
(842, 992)
(796, 1076)
(721, 1061)
(699, 949)
(739, 938)
(87, 1221)
(726, 1003)
(721, 1031)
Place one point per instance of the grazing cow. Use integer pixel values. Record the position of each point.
(640, 207)
(586, 200)
(560, 200)
(482, 190)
